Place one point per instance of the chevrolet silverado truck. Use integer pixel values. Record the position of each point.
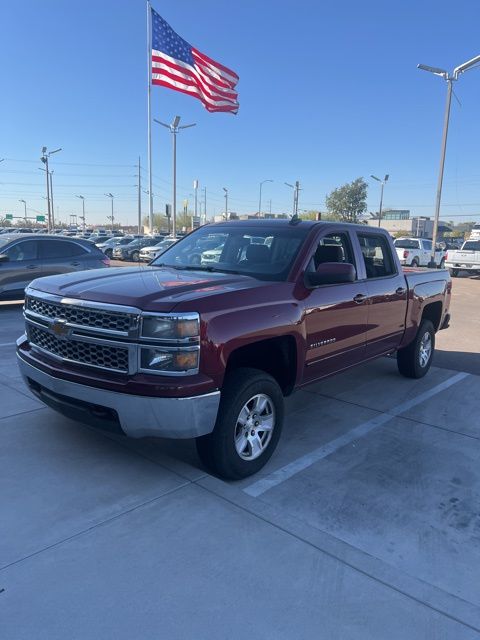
(178, 349)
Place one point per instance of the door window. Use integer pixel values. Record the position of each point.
(23, 251)
(334, 247)
(376, 255)
(54, 249)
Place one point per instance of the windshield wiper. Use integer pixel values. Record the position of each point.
(193, 267)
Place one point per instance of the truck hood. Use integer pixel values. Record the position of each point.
(148, 288)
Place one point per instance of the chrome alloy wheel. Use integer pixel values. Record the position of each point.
(254, 428)
(425, 351)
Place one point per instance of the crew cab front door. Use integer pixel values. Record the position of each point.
(335, 315)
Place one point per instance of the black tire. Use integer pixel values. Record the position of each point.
(135, 256)
(453, 272)
(414, 263)
(217, 450)
(108, 253)
(409, 359)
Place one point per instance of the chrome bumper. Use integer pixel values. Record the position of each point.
(138, 416)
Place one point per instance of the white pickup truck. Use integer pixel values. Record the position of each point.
(465, 259)
(416, 252)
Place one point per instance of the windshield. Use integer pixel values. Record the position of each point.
(471, 246)
(406, 244)
(264, 254)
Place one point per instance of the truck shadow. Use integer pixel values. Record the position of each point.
(458, 361)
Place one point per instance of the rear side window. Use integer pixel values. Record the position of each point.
(471, 246)
(50, 249)
(376, 255)
(26, 250)
(406, 244)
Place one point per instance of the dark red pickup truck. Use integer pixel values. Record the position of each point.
(205, 343)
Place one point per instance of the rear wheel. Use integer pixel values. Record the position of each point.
(414, 361)
(453, 272)
(414, 262)
(248, 426)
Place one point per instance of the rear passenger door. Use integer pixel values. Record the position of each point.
(387, 294)
(61, 256)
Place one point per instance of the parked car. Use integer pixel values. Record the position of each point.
(107, 246)
(180, 351)
(465, 259)
(30, 256)
(417, 252)
(131, 251)
(147, 254)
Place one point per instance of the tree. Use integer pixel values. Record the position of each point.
(348, 202)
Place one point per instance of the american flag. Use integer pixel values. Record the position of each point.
(179, 66)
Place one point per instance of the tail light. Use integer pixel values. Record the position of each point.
(106, 261)
(446, 256)
(405, 254)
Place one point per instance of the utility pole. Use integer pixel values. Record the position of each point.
(226, 202)
(205, 205)
(83, 212)
(44, 158)
(174, 129)
(260, 197)
(51, 197)
(195, 186)
(111, 217)
(296, 189)
(25, 205)
(450, 78)
(139, 198)
(270, 206)
(382, 182)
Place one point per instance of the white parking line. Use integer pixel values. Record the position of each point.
(277, 477)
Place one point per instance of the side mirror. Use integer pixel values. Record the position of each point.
(330, 273)
(3, 257)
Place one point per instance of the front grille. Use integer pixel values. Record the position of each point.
(82, 316)
(108, 357)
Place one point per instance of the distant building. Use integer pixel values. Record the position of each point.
(396, 214)
(418, 227)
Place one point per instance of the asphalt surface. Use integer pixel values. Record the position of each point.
(364, 525)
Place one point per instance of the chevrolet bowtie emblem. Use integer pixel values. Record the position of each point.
(59, 328)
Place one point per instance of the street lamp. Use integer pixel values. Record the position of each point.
(450, 78)
(44, 158)
(25, 205)
(260, 197)
(82, 218)
(382, 182)
(226, 202)
(174, 128)
(111, 217)
(296, 189)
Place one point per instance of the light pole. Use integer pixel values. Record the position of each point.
(174, 129)
(82, 218)
(450, 79)
(260, 197)
(111, 217)
(382, 182)
(296, 189)
(44, 158)
(226, 202)
(195, 187)
(25, 205)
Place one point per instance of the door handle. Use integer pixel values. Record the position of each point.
(31, 266)
(360, 298)
(400, 291)
(75, 264)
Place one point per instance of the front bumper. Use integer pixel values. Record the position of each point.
(135, 416)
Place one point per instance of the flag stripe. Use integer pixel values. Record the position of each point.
(170, 85)
(192, 88)
(228, 72)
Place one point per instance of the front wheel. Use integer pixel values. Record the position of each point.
(414, 361)
(453, 272)
(248, 426)
(135, 256)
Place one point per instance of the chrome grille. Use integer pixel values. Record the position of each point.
(81, 316)
(99, 355)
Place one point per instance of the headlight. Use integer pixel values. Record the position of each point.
(164, 360)
(171, 327)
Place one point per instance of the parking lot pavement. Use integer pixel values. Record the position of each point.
(365, 524)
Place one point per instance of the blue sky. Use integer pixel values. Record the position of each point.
(328, 91)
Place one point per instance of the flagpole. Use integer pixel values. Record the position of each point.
(149, 114)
